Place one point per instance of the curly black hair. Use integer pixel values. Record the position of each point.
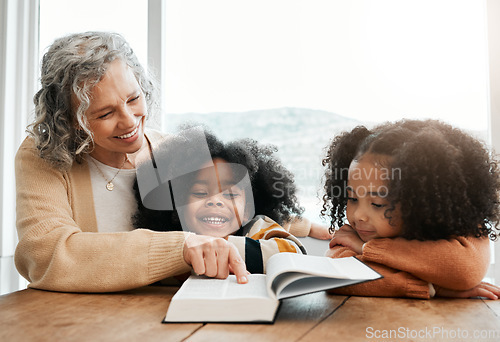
(447, 183)
(273, 185)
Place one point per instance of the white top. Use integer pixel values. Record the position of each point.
(106, 203)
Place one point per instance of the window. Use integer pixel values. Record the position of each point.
(127, 17)
(294, 73)
(287, 72)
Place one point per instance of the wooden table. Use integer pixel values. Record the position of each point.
(136, 315)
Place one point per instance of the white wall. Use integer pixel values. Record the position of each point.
(493, 12)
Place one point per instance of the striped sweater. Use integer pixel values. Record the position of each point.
(262, 238)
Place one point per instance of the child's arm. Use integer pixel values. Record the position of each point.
(394, 284)
(346, 236)
(339, 251)
(487, 290)
(298, 226)
(319, 231)
(301, 227)
(456, 264)
(402, 284)
(264, 239)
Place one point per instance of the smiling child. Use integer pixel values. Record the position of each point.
(242, 193)
(421, 199)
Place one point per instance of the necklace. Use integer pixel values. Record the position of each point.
(109, 184)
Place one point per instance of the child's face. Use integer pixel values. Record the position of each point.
(366, 200)
(215, 205)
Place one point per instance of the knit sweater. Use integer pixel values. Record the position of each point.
(58, 246)
(409, 266)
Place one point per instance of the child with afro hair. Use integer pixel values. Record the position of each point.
(421, 199)
(215, 200)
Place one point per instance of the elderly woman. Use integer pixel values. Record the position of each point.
(74, 176)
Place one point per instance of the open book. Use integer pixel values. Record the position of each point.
(202, 299)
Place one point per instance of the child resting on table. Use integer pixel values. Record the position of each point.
(221, 196)
(421, 199)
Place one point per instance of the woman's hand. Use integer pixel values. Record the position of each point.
(484, 289)
(346, 236)
(214, 257)
(319, 231)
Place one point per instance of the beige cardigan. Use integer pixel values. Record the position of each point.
(58, 249)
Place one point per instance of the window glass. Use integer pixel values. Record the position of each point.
(127, 17)
(294, 72)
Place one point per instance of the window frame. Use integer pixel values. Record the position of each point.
(18, 82)
(493, 32)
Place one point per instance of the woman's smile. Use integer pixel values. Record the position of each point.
(131, 136)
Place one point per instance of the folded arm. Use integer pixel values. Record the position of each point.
(395, 283)
(457, 264)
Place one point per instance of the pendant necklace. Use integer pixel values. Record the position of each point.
(109, 184)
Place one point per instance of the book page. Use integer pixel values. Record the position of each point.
(201, 287)
(300, 274)
(352, 268)
(348, 268)
(256, 287)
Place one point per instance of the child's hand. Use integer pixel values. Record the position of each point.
(346, 236)
(484, 289)
(319, 231)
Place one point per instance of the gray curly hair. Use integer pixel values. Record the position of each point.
(73, 65)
